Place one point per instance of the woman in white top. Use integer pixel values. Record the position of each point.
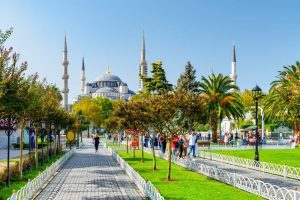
(225, 139)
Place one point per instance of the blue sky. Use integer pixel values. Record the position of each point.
(266, 34)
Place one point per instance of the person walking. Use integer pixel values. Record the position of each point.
(96, 141)
(180, 145)
(192, 142)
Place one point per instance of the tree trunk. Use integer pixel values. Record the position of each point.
(59, 145)
(169, 159)
(214, 127)
(47, 154)
(21, 151)
(142, 160)
(296, 130)
(154, 158)
(127, 144)
(134, 147)
(36, 154)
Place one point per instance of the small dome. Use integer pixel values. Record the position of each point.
(106, 90)
(108, 77)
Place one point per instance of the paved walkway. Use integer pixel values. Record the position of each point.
(90, 176)
(265, 177)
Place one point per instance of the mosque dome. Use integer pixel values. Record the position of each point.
(108, 77)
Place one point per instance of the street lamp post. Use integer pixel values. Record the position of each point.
(256, 93)
(42, 139)
(9, 126)
(52, 127)
(58, 139)
(29, 146)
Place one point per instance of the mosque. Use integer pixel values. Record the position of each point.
(107, 85)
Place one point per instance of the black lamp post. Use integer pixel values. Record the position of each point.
(42, 138)
(58, 139)
(29, 148)
(256, 93)
(52, 127)
(9, 126)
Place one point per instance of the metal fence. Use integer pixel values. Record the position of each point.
(30, 189)
(257, 187)
(145, 186)
(281, 170)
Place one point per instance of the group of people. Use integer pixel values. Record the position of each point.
(182, 145)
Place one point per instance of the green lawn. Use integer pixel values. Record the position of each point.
(290, 157)
(186, 184)
(6, 192)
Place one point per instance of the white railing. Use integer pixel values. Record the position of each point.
(257, 187)
(30, 189)
(281, 170)
(145, 186)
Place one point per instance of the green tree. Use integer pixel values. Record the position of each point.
(187, 80)
(222, 99)
(158, 83)
(283, 101)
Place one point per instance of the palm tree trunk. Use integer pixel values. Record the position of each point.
(21, 151)
(214, 127)
(169, 159)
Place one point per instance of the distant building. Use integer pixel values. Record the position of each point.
(107, 85)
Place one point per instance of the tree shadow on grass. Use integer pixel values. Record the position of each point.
(137, 159)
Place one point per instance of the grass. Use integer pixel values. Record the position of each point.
(186, 184)
(6, 192)
(288, 157)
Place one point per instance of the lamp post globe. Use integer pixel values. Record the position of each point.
(256, 93)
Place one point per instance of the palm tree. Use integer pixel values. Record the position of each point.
(222, 98)
(283, 101)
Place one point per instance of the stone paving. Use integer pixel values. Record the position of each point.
(90, 176)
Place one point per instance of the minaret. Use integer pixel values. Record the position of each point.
(65, 77)
(143, 64)
(233, 75)
(82, 77)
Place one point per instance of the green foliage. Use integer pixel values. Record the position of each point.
(283, 101)
(202, 127)
(222, 99)
(158, 83)
(95, 110)
(246, 123)
(187, 81)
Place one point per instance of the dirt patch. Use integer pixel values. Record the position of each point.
(166, 180)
